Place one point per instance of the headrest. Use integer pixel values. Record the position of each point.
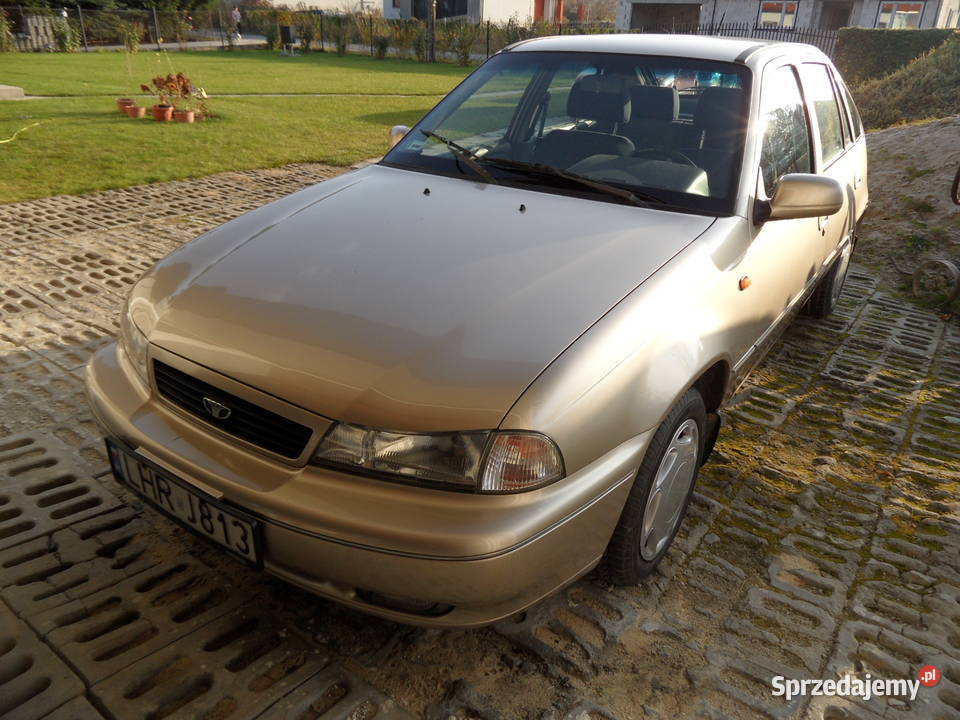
(720, 109)
(600, 97)
(651, 102)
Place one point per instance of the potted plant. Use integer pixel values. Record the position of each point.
(124, 103)
(136, 111)
(164, 88)
(183, 102)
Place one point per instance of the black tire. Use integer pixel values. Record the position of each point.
(824, 299)
(623, 563)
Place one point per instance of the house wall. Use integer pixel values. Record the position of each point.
(503, 10)
(863, 14)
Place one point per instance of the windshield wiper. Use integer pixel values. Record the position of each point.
(641, 199)
(462, 153)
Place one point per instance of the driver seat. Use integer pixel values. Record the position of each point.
(603, 99)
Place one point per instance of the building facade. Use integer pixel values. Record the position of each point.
(821, 14)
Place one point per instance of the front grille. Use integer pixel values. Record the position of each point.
(247, 421)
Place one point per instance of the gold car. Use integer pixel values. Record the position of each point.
(440, 388)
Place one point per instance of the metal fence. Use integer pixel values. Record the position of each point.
(73, 29)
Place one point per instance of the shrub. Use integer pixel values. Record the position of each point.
(462, 38)
(7, 43)
(864, 54)
(131, 33)
(66, 36)
(381, 44)
(405, 35)
(928, 87)
(422, 44)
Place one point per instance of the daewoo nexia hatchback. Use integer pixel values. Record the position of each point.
(440, 388)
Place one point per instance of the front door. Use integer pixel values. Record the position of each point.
(784, 256)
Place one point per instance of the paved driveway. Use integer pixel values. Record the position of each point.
(823, 538)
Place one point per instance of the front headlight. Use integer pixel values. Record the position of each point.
(134, 343)
(481, 461)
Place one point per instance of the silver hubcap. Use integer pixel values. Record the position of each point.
(678, 467)
(842, 264)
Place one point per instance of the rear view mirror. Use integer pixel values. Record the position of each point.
(396, 134)
(801, 195)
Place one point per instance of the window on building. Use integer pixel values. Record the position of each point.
(778, 14)
(899, 15)
(786, 140)
(396, 3)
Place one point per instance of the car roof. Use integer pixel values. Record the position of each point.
(693, 46)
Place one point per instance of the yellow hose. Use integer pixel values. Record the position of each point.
(14, 136)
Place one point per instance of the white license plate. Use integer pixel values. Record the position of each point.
(235, 531)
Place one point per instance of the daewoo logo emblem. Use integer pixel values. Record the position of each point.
(218, 410)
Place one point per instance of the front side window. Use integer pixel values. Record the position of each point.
(669, 130)
(778, 14)
(786, 140)
(816, 80)
(899, 15)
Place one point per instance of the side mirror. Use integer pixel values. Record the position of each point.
(800, 195)
(396, 134)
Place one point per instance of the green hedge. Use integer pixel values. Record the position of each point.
(864, 53)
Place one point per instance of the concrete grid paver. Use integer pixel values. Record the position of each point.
(823, 537)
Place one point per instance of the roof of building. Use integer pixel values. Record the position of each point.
(693, 46)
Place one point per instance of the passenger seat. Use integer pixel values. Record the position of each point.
(603, 99)
(653, 116)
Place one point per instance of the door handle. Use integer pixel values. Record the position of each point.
(822, 223)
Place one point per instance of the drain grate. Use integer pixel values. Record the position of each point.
(335, 694)
(573, 630)
(79, 560)
(42, 490)
(33, 681)
(77, 709)
(236, 666)
(106, 631)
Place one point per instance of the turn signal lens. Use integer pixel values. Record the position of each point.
(520, 461)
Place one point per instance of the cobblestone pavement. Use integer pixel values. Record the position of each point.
(823, 539)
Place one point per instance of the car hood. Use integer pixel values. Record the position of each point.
(402, 300)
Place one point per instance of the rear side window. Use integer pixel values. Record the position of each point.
(855, 121)
(816, 81)
(786, 140)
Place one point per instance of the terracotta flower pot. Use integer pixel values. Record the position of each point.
(184, 116)
(163, 113)
(136, 112)
(124, 103)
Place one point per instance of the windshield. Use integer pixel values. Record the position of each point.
(668, 129)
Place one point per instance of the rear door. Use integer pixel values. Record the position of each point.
(832, 143)
(858, 148)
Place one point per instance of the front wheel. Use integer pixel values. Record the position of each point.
(824, 299)
(660, 495)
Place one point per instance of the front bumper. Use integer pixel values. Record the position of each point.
(352, 538)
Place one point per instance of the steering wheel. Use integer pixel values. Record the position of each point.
(671, 155)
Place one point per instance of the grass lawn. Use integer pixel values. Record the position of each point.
(218, 72)
(85, 144)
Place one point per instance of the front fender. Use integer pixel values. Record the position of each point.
(622, 376)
